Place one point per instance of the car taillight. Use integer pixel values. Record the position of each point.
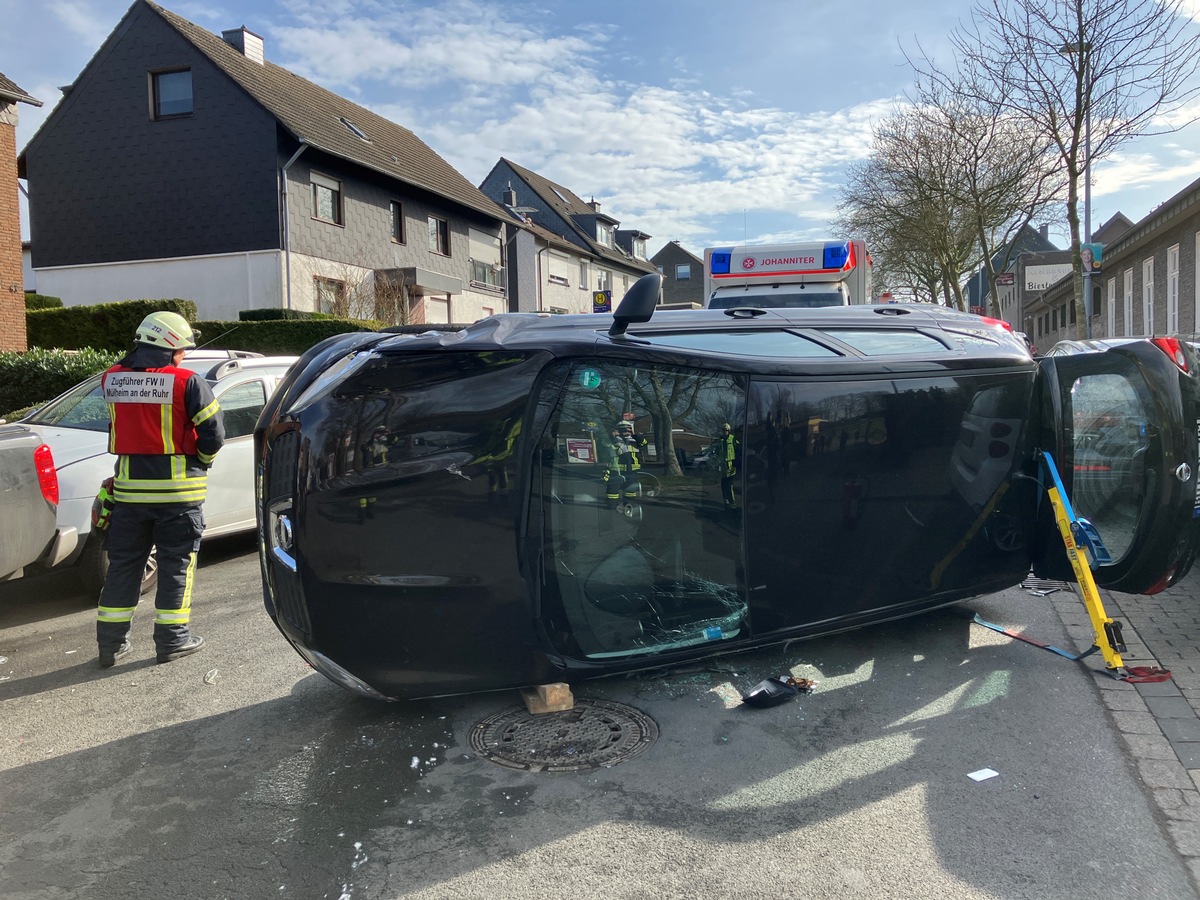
(47, 475)
(1172, 348)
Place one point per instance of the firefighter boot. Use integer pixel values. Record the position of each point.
(193, 644)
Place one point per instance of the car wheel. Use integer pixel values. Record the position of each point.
(93, 568)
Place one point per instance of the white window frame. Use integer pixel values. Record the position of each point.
(639, 248)
(1127, 302)
(1112, 308)
(583, 275)
(1173, 289)
(1148, 296)
(603, 280)
(325, 183)
(1196, 287)
(604, 234)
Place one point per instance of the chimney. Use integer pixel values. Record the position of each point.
(594, 205)
(510, 197)
(246, 42)
(1044, 231)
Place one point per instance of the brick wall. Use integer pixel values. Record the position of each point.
(12, 286)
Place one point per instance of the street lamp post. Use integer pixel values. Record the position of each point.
(1083, 48)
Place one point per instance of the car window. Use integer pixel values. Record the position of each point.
(744, 343)
(241, 406)
(878, 342)
(81, 407)
(644, 545)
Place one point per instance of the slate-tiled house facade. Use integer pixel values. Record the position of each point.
(683, 275)
(12, 281)
(183, 164)
(567, 249)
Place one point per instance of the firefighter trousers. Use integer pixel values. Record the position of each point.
(175, 530)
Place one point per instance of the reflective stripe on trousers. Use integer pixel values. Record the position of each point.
(137, 527)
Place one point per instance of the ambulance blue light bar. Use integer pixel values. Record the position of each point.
(837, 255)
(720, 260)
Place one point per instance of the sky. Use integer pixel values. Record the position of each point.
(692, 120)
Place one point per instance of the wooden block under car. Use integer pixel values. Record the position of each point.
(548, 698)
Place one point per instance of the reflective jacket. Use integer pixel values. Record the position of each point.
(165, 426)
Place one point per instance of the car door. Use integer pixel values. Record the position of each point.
(1122, 426)
(229, 506)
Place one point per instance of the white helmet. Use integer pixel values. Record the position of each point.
(166, 329)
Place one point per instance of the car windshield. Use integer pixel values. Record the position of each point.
(83, 406)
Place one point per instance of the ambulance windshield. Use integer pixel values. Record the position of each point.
(785, 296)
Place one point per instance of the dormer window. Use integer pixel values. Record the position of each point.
(604, 234)
(639, 248)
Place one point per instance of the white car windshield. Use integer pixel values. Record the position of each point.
(83, 406)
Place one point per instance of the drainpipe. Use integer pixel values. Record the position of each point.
(287, 225)
(540, 306)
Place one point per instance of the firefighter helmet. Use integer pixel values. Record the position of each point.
(166, 329)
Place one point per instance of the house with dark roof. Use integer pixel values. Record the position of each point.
(1006, 261)
(12, 281)
(184, 164)
(567, 250)
(1146, 281)
(683, 276)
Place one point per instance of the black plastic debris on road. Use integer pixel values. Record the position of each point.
(777, 690)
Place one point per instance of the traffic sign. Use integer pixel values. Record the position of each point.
(602, 301)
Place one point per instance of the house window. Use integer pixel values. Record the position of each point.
(484, 249)
(1173, 289)
(439, 236)
(604, 233)
(1148, 297)
(603, 280)
(171, 93)
(1128, 302)
(683, 272)
(583, 272)
(397, 221)
(1112, 307)
(331, 295)
(327, 198)
(639, 248)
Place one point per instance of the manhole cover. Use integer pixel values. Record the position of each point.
(593, 735)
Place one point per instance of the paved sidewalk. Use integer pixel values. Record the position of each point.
(1159, 722)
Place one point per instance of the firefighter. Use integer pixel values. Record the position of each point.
(165, 430)
(728, 451)
(622, 464)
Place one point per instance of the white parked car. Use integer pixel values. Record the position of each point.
(75, 426)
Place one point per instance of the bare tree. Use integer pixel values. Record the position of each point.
(1006, 171)
(1088, 75)
(901, 199)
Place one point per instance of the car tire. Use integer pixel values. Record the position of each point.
(93, 568)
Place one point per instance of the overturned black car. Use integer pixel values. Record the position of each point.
(549, 498)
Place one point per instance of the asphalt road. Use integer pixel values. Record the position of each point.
(240, 773)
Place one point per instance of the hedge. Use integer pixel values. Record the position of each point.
(42, 301)
(280, 337)
(107, 326)
(275, 313)
(31, 378)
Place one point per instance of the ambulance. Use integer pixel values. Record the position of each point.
(796, 276)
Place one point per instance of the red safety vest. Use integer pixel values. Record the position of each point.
(148, 412)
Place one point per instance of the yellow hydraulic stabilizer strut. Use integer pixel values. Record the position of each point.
(1084, 549)
(1076, 531)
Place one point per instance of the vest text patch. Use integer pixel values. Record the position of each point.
(138, 387)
